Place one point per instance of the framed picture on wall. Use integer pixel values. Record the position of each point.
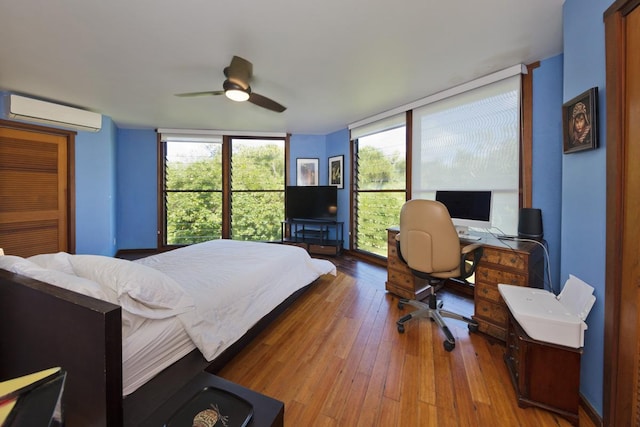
(307, 172)
(336, 171)
(580, 122)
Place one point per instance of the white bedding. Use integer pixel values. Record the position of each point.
(234, 284)
(205, 295)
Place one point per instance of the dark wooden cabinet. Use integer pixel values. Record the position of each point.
(544, 375)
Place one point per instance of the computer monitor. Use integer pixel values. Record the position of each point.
(467, 209)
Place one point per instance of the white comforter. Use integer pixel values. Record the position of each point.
(234, 284)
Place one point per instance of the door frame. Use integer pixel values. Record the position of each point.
(620, 355)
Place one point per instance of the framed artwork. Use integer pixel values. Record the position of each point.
(580, 122)
(336, 171)
(307, 172)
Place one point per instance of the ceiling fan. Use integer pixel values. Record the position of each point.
(236, 86)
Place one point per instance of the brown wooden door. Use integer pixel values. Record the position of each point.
(622, 295)
(36, 190)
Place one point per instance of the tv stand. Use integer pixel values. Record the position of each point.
(324, 237)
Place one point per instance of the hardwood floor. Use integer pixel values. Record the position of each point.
(335, 358)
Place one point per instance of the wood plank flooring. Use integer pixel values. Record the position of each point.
(335, 358)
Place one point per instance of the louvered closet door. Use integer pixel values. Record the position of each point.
(33, 192)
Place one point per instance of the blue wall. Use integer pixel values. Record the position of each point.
(547, 156)
(309, 147)
(137, 183)
(338, 145)
(584, 183)
(96, 190)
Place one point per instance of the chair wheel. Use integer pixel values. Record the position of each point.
(473, 327)
(449, 346)
(401, 329)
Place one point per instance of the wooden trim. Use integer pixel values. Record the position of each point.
(71, 189)
(287, 160)
(409, 154)
(160, 209)
(227, 149)
(590, 411)
(619, 357)
(526, 156)
(352, 192)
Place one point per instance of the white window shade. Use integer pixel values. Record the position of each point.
(364, 128)
(471, 141)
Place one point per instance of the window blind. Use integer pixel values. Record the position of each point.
(471, 141)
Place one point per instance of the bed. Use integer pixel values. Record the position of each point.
(130, 333)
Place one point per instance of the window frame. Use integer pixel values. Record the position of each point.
(353, 236)
(226, 183)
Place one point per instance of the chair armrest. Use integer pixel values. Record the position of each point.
(470, 248)
(398, 250)
(468, 266)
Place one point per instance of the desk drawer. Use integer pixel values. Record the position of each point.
(393, 263)
(492, 311)
(487, 291)
(493, 276)
(509, 259)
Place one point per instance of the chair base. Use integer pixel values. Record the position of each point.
(433, 311)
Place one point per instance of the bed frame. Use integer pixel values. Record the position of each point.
(42, 326)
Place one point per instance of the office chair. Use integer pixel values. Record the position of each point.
(429, 244)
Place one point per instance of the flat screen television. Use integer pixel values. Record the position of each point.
(467, 208)
(311, 203)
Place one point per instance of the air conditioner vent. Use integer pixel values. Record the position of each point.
(34, 110)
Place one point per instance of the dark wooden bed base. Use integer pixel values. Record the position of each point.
(42, 326)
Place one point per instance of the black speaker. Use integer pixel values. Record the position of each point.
(530, 223)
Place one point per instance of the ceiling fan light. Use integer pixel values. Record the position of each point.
(238, 95)
(235, 92)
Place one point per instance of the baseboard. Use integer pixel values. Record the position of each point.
(590, 412)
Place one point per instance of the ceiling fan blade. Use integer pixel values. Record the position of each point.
(207, 93)
(264, 102)
(239, 71)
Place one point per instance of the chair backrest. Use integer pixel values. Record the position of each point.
(429, 242)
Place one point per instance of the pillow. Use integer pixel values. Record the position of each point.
(62, 280)
(7, 261)
(139, 289)
(58, 261)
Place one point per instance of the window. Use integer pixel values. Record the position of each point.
(471, 141)
(257, 189)
(193, 192)
(380, 183)
(221, 187)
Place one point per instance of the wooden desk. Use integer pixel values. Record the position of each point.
(510, 262)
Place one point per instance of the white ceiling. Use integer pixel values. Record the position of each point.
(330, 62)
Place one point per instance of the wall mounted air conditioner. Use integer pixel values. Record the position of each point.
(34, 110)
